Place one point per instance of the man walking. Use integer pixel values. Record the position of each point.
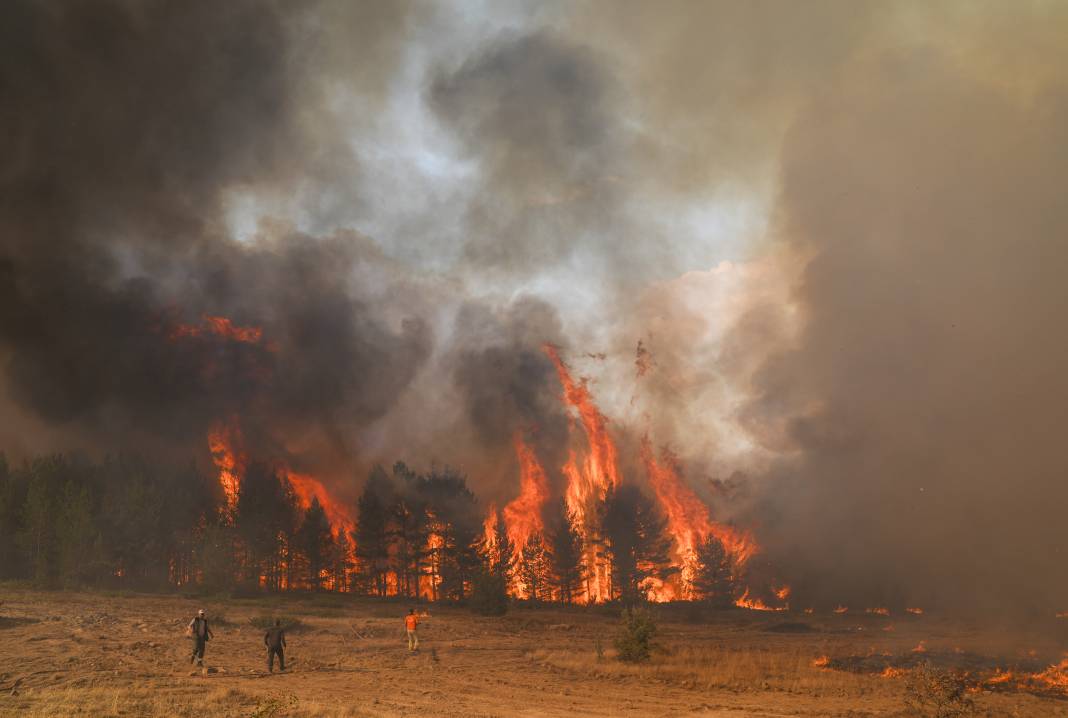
(411, 621)
(200, 632)
(275, 640)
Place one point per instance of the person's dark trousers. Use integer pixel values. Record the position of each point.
(198, 651)
(271, 652)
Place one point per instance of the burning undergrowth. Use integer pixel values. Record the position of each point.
(975, 671)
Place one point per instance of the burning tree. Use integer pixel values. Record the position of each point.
(637, 542)
(713, 575)
(315, 545)
(567, 571)
(371, 535)
(533, 569)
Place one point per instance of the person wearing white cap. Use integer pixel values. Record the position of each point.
(201, 634)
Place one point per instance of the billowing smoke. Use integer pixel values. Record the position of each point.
(923, 399)
(836, 230)
(125, 127)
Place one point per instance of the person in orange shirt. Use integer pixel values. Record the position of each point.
(411, 621)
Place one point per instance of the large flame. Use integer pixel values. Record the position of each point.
(522, 516)
(590, 479)
(307, 487)
(688, 518)
(227, 452)
(601, 468)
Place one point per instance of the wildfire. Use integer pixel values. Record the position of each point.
(218, 326)
(841, 609)
(602, 467)
(522, 516)
(489, 529)
(821, 662)
(588, 481)
(878, 611)
(225, 443)
(915, 611)
(307, 487)
(687, 516)
(921, 647)
(756, 604)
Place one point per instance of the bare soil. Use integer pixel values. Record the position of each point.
(84, 654)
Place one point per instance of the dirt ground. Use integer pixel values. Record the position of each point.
(109, 655)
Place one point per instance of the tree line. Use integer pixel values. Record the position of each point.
(66, 520)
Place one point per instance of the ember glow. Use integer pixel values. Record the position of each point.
(220, 327)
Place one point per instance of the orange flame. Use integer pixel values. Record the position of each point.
(602, 466)
(306, 487)
(821, 662)
(225, 443)
(219, 326)
(588, 481)
(841, 609)
(522, 515)
(915, 611)
(756, 604)
(688, 517)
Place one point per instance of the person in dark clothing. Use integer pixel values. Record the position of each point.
(275, 640)
(201, 633)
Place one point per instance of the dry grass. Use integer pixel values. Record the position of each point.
(113, 701)
(73, 654)
(787, 669)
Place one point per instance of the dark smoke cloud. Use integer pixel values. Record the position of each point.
(924, 398)
(124, 126)
(509, 385)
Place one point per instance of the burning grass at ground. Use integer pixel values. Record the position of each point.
(97, 655)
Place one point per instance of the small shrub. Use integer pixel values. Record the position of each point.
(940, 694)
(634, 642)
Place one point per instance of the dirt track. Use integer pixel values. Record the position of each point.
(84, 654)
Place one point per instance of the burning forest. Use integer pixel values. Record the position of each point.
(253, 522)
(740, 309)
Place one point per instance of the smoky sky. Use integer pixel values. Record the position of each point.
(837, 228)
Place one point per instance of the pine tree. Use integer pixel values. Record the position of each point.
(533, 569)
(371, 535)
(341, 568)
(637, 542)
(75, 536)
(315, 543)
(38, 538)
(10, 520)
(266, 518)
(567, 570)
(499, 555)
(713, 577)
